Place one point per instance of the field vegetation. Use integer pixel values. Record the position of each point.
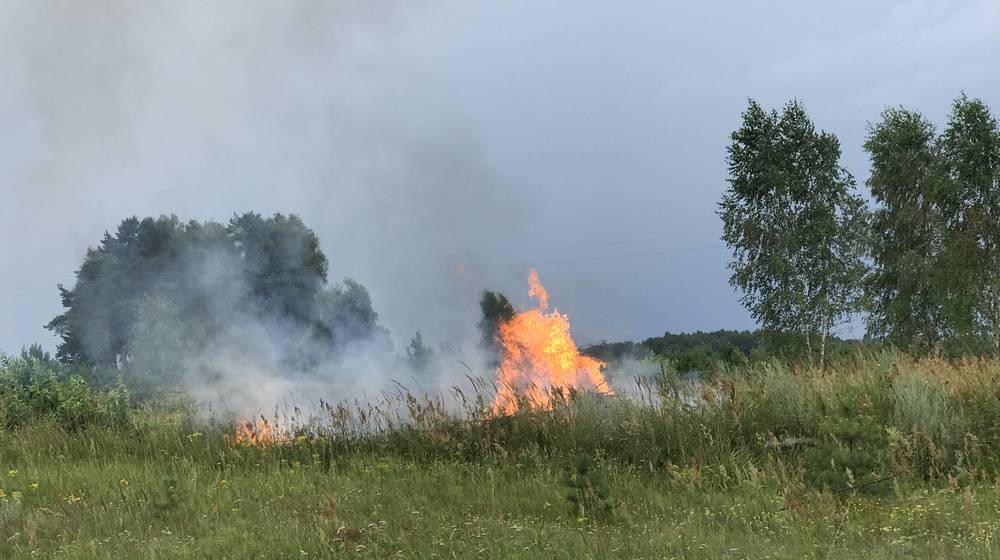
(878, 455)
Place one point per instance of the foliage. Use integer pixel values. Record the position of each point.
(970, 205)
(709, 352)
(617, 352)
(796, 227)
(418, 354)
(345, 314)
(903, 283)
(159, 289)
(935, 280)
(850, 453)
(588, 485)
(157, 345)
(759, 463)
(32, 388)
(496, 309)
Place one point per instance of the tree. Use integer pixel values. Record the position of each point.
(157, 346)
(418, 354)
(904, 283)
(208, 279)
(970, 201)
(796, 228)
(283, 264)
(496, 309)
(345, 314)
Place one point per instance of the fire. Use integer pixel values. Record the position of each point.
(539, 356)
(537, 290)
(252, 432)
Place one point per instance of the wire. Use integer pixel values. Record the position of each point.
(583, 245)
(603, 257)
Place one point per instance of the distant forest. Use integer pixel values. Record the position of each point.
(706, 352)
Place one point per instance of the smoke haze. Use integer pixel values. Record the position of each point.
(204, 111)
(585, 140)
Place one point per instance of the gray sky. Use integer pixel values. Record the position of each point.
(584, 138)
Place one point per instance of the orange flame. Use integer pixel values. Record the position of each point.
(537, 290)
(539, 356)
(252, 432)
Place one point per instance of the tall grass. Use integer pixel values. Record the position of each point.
(771, 457)
(935, 415)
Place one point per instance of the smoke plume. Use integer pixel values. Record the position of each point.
(204, 110)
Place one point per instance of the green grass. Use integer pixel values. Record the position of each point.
(762, 468)
(177, 503)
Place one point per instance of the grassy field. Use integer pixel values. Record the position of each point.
(881, 458)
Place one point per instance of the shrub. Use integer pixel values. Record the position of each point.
(588, 486)
(848, 456)
(33, 387)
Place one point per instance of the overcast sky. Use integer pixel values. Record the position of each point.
(586, 139)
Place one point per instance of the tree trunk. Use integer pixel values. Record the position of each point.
(809, 351)
(824, 332)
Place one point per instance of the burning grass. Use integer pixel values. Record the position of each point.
(540, 358)
(881, 457)
(258, 431)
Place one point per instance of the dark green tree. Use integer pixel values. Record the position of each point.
(160, 285)
(282, 262)
(496, 309)
(795, 225)
(345, 314)
(904, 282)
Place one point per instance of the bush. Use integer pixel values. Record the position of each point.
(34, 387)
(849, 455)
(588, 487)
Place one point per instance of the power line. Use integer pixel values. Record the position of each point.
(604, 257)
(582, 245)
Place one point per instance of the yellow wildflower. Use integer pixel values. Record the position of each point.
(34, 485)
(12, 473)
(123, 482)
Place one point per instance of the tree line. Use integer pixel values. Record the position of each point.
(920, 257)
(707, 353)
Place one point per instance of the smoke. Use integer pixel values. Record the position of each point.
(240, 316)
(115, 108)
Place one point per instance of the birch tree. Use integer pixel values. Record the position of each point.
(904, 284)
(970, 200)
(795, 225)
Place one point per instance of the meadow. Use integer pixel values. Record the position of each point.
(877, 456)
